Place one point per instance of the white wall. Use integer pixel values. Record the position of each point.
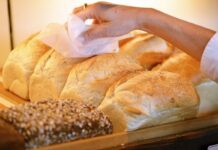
(4, 32)
(30, 16)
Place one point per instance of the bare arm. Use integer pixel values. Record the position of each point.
(188, 37)
(115, 20)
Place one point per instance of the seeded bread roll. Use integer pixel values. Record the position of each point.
(50, 75)
(148, 99)
(184, 65)
(20, 65)
(49, 121)
(88, 81)
(147, 49)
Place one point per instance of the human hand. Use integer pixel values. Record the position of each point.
(111, 19)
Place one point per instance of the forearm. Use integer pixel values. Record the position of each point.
(188, 37)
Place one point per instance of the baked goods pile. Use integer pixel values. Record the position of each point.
(137, 87)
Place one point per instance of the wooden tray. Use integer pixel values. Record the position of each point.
(122, 140)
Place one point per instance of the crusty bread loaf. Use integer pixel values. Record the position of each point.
(88, 81)
(147, 49)
(134, 34)
(188, 67)
(184, 65)
(149, 98)
(50, 75)
(20, 65)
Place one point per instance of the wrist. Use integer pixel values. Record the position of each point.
(144, 19)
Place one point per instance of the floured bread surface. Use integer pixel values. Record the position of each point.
(147, 49)
(20, 65)
(50, 75)
(88, 81)
(184, 65)
(149, 98)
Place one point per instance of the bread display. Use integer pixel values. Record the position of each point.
(147, 49)
(88, 81)
(184, 65)
(50, 75)
(20, 65)
(50, 122)
(149, 98)
(118, 84)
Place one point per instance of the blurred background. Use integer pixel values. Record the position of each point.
(21, 18)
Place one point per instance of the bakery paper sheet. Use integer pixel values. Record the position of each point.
(66, 39)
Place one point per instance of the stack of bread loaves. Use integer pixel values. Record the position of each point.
(118, 84)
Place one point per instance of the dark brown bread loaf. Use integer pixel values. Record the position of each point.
(49, 121)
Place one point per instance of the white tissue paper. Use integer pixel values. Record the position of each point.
(65, 39)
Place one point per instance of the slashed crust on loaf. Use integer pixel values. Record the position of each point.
(50, 75)
(147, 49)
(20, 65)
(88, 81)
(149, 98)
(184, 65)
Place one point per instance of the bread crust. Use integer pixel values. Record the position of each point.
(20, 65)
(149, 98)
(184, 65)
(50, 75)
(88, 81)
(147, 49)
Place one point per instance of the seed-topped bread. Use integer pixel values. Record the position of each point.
(48, 121)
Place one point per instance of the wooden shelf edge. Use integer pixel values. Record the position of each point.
(121, 139)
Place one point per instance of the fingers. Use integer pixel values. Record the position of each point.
(100, 31)
(97, 31)
(83, 14)
(86, 13)
(109, 29)
(93, 11)
(107, 21)
(77, 9)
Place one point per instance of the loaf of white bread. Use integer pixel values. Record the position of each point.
(189, 68)
(88, 81)
(50, 75)
(147, 49)
(20, 65)
(184, 65)
(147, 99)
